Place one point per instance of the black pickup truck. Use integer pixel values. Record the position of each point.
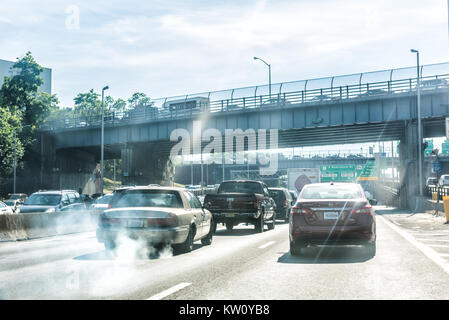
(242, 201)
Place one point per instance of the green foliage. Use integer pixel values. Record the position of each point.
(109, 168)
(8, 122)
(24, 108)
(87, 104)
(118, 105)
(138, 100)
(17, 91)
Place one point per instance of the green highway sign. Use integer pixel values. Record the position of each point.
(368, 171)
(445, 147)
(338, 173)
(428, 150)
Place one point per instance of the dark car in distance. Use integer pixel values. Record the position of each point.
(52, 201)
(284, 202)
(332, 214)
(242, 201)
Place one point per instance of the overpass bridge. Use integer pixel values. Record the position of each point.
(357, 108)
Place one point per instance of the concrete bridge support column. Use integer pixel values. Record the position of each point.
(408, 169)
(143, 164)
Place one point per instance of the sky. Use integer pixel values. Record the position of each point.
(168, 48)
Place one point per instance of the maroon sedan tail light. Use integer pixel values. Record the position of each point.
(367, 209)
(298, 211)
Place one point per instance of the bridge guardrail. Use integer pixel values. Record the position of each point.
(277, 100)
(441, 191)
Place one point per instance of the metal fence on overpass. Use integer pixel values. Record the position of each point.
(309, 92)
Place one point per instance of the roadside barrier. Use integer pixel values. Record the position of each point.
(25, 226)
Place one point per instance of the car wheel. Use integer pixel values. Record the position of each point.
(207, 240)
(229, 226)
(371, 247)
(259, 225)
(110, 245)
(295, 249)
(287, 216)
(272, 224)
(187, 245)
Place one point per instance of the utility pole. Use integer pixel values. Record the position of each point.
(420, 151)
(102, 138)
(15, 152)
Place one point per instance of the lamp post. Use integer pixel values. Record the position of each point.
(418, 93)
(269, 74)
(102, 136)
(15, 143)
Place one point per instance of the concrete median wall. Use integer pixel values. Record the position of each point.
(25, 226)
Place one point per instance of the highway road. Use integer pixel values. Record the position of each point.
(238, 265)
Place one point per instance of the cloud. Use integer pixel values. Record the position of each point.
(176, 47)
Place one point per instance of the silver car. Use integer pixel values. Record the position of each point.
(4, 209)
(156, 216)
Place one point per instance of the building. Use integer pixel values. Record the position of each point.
(6, 70)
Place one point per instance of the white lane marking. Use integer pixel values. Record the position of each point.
(267, 244)
(430, 234)
(170, 291)
(430, 253)
(438, 245)
(436, 240)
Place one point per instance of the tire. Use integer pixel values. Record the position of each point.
(214, 226)
(229, 226)
(371, 249)
(109, 245)
(259, 225)
(295, 249)
(207, 240)
(272, 224)
(187, 245)
(287, 216)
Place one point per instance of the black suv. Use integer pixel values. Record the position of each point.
(284, 202)
(53, 201)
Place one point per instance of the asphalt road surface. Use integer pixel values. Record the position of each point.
(238, 265)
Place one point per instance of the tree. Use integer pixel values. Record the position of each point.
(8, 123)
(139, 99)
(17, 91)
(87, 104)
(118, 105)
(26, 106)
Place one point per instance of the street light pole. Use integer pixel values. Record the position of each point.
(102, 136)
(15, 143)
(418, 93)
(269, 74)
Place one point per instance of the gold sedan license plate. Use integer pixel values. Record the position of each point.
(134, 224)
(230, 215)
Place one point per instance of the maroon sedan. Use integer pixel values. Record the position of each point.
(332, 214)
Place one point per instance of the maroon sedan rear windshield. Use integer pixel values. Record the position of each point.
(331, 192)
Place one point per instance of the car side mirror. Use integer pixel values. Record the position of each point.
(65, 203)
(372, 202)
(293, 202)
